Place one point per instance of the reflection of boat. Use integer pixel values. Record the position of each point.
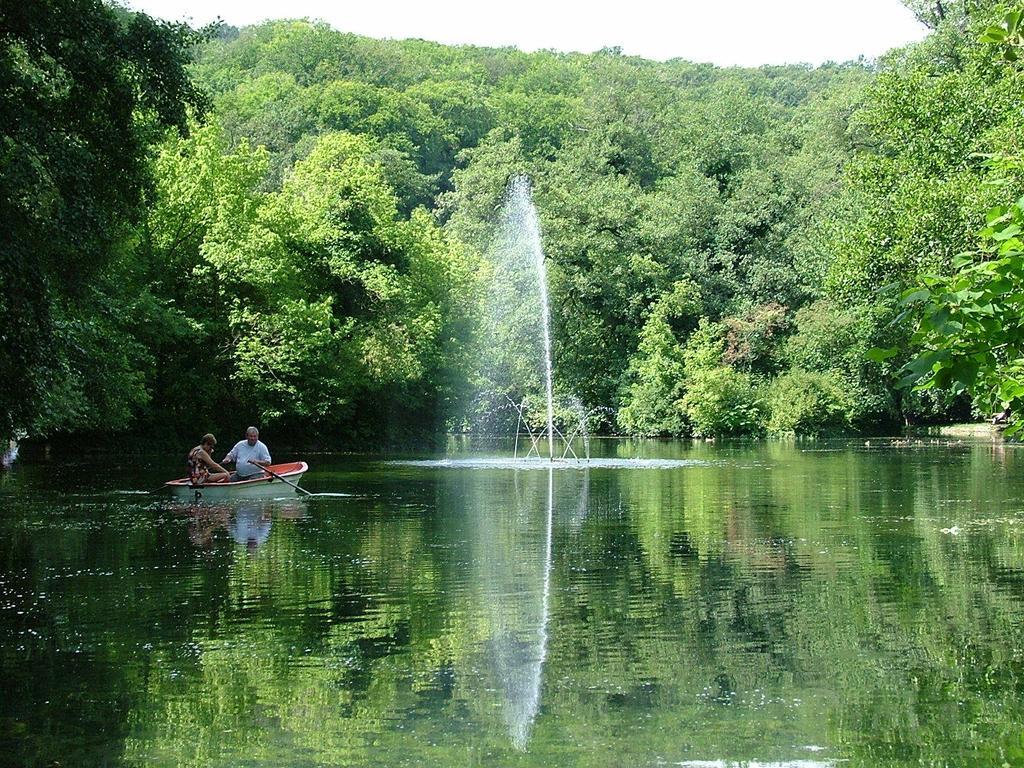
(266, 486)
(9, 455)
(250, 525)
(247, 521)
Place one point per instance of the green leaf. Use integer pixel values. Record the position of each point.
(879, 355)
(993, 35)
(900, 318)
(942, 378)
(1007, 232)
(915, 296)
(999, 286)
(911, 380)
(1012, 21)
(994, 214)
(1011, 390)
(963, 259)
(918, 367)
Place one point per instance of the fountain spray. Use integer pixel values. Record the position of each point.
(520, 200)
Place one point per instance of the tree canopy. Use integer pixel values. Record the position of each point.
(293, 223)
(87, 91)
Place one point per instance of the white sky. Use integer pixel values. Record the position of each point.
(726, 32)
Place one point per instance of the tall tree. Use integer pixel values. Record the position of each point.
(87, 88)
(969, 333)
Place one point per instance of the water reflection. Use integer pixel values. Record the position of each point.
(770, 607)
(250, 526)
(514, 543)
(204, 521)
(514, 555)
(247, 523)
(543, 465)
(757, 764)
(582, 505)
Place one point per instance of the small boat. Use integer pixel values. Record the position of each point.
(266, 486)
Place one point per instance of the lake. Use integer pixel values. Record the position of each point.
(767, 604)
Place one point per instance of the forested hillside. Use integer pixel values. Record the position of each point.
(668, 192)
(725, 246)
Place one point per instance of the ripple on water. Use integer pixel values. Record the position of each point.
(498, 462)
(696, 616)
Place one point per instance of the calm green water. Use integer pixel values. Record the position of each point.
(812, 605)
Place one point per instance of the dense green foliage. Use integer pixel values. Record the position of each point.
(86, 90)
(724, 246)
(970, 319)
(667, 192)
(308, 302)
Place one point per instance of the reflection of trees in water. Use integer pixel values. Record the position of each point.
(808, 603)
(837, 581)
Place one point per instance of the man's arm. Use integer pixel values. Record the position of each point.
(259, 462)
(229, 457)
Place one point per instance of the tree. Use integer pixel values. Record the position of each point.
(933, 13)
(657, 371)
(803, 403)
(968, 332)
(331, 306)
(206, 201)
(87, 89)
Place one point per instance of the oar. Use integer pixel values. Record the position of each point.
(282, 479)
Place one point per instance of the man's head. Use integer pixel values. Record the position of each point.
(252, 435)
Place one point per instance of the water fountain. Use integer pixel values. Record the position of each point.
(518, 370)
(536, 437)
(517, 326)
(515, 557)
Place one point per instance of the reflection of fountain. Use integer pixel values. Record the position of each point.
(515, 561)
(522, 664)
(582, 505)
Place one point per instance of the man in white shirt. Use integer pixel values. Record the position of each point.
(246, 455)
